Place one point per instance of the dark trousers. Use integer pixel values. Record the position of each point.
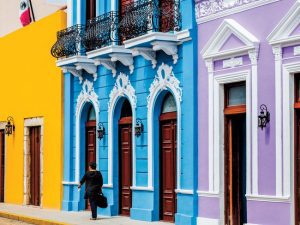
(93, 207)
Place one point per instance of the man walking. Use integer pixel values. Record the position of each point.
(94, 182)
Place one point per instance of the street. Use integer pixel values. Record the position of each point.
(4, 221)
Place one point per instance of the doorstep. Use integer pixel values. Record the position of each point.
(36, 215)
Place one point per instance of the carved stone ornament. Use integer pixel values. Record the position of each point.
(165, 79)
(87, 94)
(73, 71)
(147, 53)
(122, 88)
(124, 58)
(107, 63)
(170, 48)
(209, 7)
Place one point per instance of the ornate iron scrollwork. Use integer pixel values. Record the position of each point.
(69, 42)
(101, 31)
(139, 17)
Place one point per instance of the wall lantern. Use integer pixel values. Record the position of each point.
(101, 130)
(10, 126)
(263, 117)
(139, 128)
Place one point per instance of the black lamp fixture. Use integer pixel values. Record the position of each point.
(139, 127)
(101, 130)
(10, 126)
(263, 117)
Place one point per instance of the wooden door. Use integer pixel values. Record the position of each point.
(167, 15)
(168, 143)
(90, 147)
(2, 164)
(125, 165)
(90, 143)
(297, 167)
(35, 166)
(235, 170)
(90, 9)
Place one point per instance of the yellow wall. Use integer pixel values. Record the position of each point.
(32, 86)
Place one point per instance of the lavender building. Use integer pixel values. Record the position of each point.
(248, 110)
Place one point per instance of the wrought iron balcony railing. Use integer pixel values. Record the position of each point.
(143, 16)
(101, 31)
(69, 42)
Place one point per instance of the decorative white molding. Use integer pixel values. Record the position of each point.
(122, 88)
(124, 58)
(208, 194)
(253, 123)
(170, 48)
(296, 50)
(70, 183)
(184, 191)
(288, 71)
(233, 62)
(163, 81)
(267, 198)
(87, 94)
(207, 221)
(212, 49)
(213, 10)
(282, 32)
(89, 68)
(277, 51)
(73, 71)
(107, 63)
(147, 53)
(141, 188)
(216, 124)
(32, 122)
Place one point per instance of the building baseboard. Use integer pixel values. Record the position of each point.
(207, 221)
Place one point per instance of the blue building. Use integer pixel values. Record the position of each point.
(130, 104)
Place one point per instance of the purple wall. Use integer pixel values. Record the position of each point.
(260, 22)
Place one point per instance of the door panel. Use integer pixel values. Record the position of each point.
(2, 165)
(90, 147)
(168, 170)
(35, 166)
(125, 167)
(90, 9)
(297, 167)
(167, 15)
(235, 170)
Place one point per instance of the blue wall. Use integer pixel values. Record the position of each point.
(145, 204)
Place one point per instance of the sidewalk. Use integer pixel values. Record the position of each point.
(62, 217)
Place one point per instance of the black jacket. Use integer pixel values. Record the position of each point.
(94, 182)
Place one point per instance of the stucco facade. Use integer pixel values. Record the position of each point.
(32, 96)
(103, 78)
(255, 42)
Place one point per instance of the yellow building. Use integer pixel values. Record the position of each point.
(32, 94)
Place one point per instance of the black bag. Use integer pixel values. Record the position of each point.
(101, 201)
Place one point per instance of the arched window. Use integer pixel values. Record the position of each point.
(126, 109)
(92, 114)
(169, 104)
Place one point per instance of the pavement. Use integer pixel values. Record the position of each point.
(4, 221)
(36, 215)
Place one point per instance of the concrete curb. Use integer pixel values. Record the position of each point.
(28, 219)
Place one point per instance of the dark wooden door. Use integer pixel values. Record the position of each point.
(125, 165)
(2, 165)
(35, 166)
(168, 143)
(235, 170)
(90, 9)
(297, 167)
(167, 15)
(90, 147)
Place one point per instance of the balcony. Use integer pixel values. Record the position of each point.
(144, 16)
(140, 28)
(69, 42)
